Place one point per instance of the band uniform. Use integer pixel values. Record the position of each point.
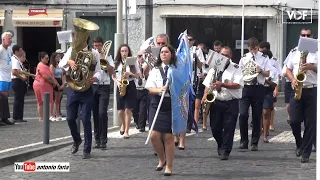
(252, 95)
(84, 100)
(304, 109)
(140, 112)
(157, 80)
(128, 101)
(19, 86)
(101, 95)
(224, 110)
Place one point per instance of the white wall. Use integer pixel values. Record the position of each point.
(290, 3)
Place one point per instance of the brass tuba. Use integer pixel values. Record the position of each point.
(301, 76)
(124, 81)
(211, 95)
(105, 53)
(78, 79)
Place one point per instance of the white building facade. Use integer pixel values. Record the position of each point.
(221, 20)
(34, 23)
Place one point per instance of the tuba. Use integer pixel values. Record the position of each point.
(148, 45)
(124, 81)
(105, 53)
(211, 95)
(78, 79)
(301, 76)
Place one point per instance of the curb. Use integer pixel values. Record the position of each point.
(32, 153)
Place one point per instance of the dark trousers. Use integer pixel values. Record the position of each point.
(101, 94)
(140, 110)
(19, 88)
(4, 107)
(84, 100)
(304, 110)
(190, 115)
(223, 120)
(251, 96)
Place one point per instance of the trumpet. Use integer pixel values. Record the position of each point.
(24, 74)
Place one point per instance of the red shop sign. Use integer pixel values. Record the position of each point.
(34, 12)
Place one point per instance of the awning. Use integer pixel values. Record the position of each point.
(2, 13)
(37, 17)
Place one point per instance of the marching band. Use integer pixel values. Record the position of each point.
(223, 92)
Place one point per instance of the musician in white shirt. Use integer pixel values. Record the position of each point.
(255, 68)
(125, 103)
(304, 107)
(19, 84)
(141, 109)
(82, 99)
(224, 110)
(101, 95)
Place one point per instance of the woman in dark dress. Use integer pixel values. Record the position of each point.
(162, 138)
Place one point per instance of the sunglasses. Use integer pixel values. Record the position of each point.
(305, 35)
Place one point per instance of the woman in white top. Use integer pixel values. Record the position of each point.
(125, 103)
(162, 138)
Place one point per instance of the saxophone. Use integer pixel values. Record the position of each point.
(210, 95)
(78, 79)
(301, 76)
(124, 81)
(105, 53)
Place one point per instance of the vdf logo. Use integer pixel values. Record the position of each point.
(297, 16)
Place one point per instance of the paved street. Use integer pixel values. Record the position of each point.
(131, 159)
(22, 136)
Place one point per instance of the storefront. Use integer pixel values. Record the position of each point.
(37, 31)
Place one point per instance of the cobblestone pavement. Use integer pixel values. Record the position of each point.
(131, 159)
(31, 132)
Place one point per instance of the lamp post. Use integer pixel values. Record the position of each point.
(242, 29)
(119, 39)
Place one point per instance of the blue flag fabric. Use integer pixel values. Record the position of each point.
(182, 94)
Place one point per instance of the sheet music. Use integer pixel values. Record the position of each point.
(64, 36)
(308, 44)
(131, 61)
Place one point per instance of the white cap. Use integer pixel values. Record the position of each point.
(59, 51)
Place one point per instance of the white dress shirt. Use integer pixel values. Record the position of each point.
(274, 76)
(105, 77)
(155, 79)
(275, 63)
(261, 60)
(231, 74)
(5, 64)
(143, 79)
(16, 64)
(119, 71)
(64, 62)
(293, 63)
(201, 58)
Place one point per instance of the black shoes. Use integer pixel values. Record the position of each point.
(304, 160)
(121, 132)
(225, 157)
(160, 168)
(142, 129)
(97, 146)
(103, 146)
(243, 146)
(298, 152)
(2, 123)
(6, 121)
(19, 120)
(75, 147)
(254, 148)
(85, 155)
